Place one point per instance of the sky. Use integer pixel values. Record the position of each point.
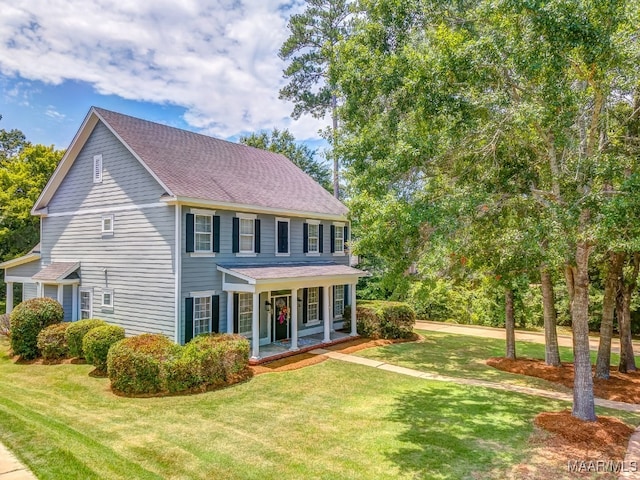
(209, 66)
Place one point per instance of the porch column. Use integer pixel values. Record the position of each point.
(255, 327)
(60, 296)
(294, 319)
(325, 314)
(354, 325)
(9, 297)
(331, 307)
(229, 312)
(74, 303)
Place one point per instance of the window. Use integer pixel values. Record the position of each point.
(97, 169)
(203, 230)
(107, 224)
(338, 239)
(201, 315)
(338, 301)
(245, 313)
(246, 235)
(85, 304)
(107, 298)
(282, 236)
(314, 238)
(313, 306)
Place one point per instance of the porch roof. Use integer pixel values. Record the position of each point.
(33, 255)
(256, 274)
(57, 272)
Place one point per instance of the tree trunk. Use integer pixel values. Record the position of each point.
(510, 324)
(568, 276)
(623, 310)
(583, 401)
(551, 352)
(608, 309)
(334, 118)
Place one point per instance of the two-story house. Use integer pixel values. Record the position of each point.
(162, 230)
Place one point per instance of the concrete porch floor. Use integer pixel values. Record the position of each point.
(280, 349)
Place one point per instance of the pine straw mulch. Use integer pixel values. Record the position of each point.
(621, 387)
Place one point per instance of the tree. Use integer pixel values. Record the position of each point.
(311, 50)
(283, 142)
(11, 143)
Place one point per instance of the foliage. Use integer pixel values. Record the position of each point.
(97, 342)
(5, 325)
(283, 142)
(383, 319)
(52, 342)
(77, 331)
(11, 143)
(28, 319)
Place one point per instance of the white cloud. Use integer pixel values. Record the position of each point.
(216, 58)
(53, 113)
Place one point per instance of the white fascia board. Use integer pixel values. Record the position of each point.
(236, 274)
(238, 207)
(30, 257)
(12, 279)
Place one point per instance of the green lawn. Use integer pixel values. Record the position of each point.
(464, 356)
(333, 420)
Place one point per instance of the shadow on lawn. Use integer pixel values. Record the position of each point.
(454, 432)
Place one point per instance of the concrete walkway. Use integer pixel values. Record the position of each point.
(11, 468)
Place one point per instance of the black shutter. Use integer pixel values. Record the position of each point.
(236, 316)
(346, 296)
(320, 238)
(333, 238)
(190, 230)
(215, 314)
(283, 237)
(345, 238)
(256, 247)
(305, 299)
(305, 238)
(188, 319)
(236, 235)
(216, 233)
(320, 303)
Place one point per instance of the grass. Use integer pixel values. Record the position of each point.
(332, 420)
(464, 356)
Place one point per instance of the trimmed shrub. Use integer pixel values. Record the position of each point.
(27, 319)
(96, 344)
(382, 319)
(5, 325)
(52, 342)
(136, 365)
(77, 331)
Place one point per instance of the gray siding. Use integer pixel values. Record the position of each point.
(136, 261)
(29, 291)
(67, 302)
(24, 270)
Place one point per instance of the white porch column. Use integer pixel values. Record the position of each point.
(331, 307)
(229, 312)
(39, 290)
(74, 303)
(9, 297)
(294, 319)
(60, 296)
(325, 313)
(255, 327)
(354, 325)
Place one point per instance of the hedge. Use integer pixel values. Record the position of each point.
(28, 319)
(52, 342)
(383, 319)
(153, 364)
(96, 344)
(77, 331)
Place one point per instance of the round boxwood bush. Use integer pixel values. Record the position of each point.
(96, 344)
(27, 319)
(136, 365)
(77, 331)
(52, 342)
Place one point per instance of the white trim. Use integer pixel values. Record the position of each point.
(202, 211)
(247, 216)
(90, 211)
(202, 254)
(251, 218)
(203, 293)
(246, 254)
(177, 270)
(312, 221)
(339, 224)
(14, 279)
(74, 303)
(60, 294)
(317, 237)
(90, 292)
(195, 232)
(200, 297)
(97, 168)
(9, 298)
(108, 217)
(16, 262)
(106, 291)
(239, 207)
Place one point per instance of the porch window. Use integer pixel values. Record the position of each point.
(313, 305)
(85, 304)
(338, 301)
(201, 315)
(203, 233)
(245, 313)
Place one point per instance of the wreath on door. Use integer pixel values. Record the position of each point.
(282, 310)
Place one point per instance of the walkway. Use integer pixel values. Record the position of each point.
(11, 468)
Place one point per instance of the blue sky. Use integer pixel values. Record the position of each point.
(208, 66)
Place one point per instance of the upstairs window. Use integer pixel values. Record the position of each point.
(246, 234)
(107, 224)
(97, 169)
(202, 232)
(338, 237)
(313, 238)
(282, 236)
(107, 298)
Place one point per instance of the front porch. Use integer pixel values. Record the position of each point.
(282, 348)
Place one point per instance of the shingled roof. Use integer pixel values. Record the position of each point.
(196, 166)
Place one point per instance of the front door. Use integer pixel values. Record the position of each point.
(281, 315)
